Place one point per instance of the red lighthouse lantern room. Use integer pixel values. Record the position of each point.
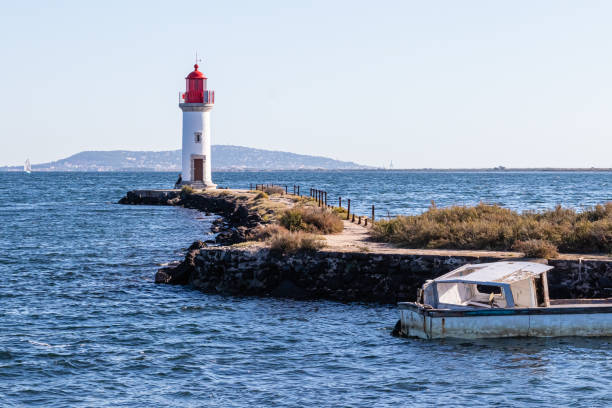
(196, 88)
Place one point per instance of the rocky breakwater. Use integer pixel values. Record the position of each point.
(238, 216)
(352, 276)
(342, 276)
(237, 267)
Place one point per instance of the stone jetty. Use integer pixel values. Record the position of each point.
(349, 268)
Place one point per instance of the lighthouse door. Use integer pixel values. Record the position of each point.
(198, 169)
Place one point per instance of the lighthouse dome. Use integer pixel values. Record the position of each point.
(196, 74)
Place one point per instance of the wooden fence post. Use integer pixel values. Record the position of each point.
(298, 190)
(325, 198)
(372, 213)
(340, 202)
(348, 210)
(286, 189)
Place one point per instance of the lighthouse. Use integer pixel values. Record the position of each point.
(196, 103)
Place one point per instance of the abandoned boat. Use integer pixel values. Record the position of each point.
(500, 299)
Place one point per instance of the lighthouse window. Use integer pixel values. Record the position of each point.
(198, 137)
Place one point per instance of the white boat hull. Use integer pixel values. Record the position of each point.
(417, 321)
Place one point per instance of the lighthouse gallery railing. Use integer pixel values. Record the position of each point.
(206, 97)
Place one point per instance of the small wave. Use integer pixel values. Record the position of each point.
(171, 263)
(42, 344)
(192, 308)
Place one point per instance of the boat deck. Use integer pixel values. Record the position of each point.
(568, 303)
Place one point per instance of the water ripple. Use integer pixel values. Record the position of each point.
(82, 324)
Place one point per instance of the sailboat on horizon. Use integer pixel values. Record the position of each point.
(27, 167)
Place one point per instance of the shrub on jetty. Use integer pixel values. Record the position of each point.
(186, 190)
(311, 219)
(340, 212)
(495, 228)
(274, 190)
(265, 232)
(293, 241)
(536, 248)
(292, 220)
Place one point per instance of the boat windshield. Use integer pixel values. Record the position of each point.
(470, 295)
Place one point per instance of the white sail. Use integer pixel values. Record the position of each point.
(27, 167)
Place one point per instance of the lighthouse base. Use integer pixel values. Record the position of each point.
(198, 185)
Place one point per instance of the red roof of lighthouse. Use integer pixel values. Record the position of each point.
(196, 74)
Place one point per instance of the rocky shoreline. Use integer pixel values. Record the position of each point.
(231, 229)
(352, 276)
(255, 270)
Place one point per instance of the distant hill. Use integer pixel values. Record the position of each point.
(224, 157)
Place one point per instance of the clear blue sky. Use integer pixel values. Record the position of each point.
(422, 83)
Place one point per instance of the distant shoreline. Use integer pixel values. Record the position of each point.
(14, 169)
(232, 158)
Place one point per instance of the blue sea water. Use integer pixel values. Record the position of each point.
(82, 324)
(411, 192)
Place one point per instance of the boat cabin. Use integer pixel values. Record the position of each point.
(489, 285)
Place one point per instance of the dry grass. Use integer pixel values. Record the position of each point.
(495, 228)
(293, 241)
(262, 196)
(536, 248)
(311, 219)
(244, 244)
(274, 190)
(265, 232)
(267, 209)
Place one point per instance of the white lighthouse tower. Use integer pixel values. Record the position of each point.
(196, 104)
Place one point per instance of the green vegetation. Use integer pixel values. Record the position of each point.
(311, 219)
(292, 220)
(186, 190)
(492, 227)
(340, 212)
(262, 196)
